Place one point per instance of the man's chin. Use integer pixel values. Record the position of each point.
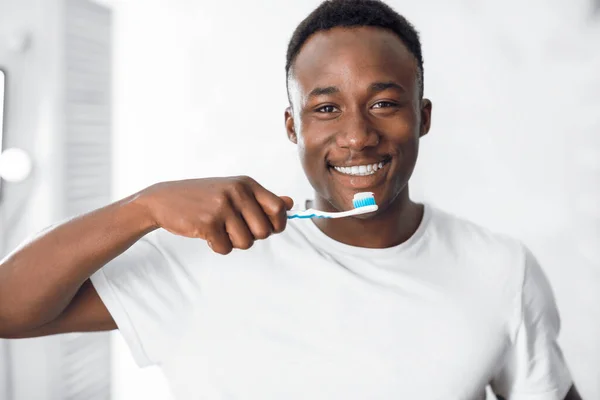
(367, 216)
(346, 204)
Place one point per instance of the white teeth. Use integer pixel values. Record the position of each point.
(360, 170)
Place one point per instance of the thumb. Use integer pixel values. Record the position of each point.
(289, 203)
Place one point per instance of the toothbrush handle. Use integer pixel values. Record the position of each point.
(312, 213)
(305, 214)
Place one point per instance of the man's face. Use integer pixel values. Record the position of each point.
(356, 114)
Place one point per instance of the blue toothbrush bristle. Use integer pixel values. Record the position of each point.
(367, 201)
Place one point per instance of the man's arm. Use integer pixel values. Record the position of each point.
(44, 286)
(534, 363)
(572, 395)
(85, 313)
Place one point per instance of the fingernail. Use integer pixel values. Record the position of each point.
(209, 244)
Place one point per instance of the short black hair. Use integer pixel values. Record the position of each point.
(356, 13)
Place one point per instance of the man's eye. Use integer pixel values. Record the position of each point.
(326, 109)
(383, 104)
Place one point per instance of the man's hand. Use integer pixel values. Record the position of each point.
(227, 212)
(44, 286)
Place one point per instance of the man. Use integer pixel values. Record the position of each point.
(405, 303)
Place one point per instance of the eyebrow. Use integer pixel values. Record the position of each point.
(381, 86)
(323, 91)
(373, 88)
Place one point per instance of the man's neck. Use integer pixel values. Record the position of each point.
(390, 227)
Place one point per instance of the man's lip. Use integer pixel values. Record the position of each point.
(361, 182)
(356, 163)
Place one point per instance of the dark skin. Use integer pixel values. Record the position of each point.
(45, 287)
(355, 100)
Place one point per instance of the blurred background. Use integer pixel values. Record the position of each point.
(99, 99)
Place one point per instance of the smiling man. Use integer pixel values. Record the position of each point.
(408, 302)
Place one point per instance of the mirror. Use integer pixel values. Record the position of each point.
(2, 84)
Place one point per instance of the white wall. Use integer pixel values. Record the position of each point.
(200, 91)
(31, 122)
(45, 78)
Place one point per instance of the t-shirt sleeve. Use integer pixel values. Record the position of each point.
(149, 291)
(534, 367)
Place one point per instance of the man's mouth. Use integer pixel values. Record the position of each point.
(361, 170)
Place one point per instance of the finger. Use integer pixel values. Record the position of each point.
(254, 216)
(289, 203)
(218, 239)
(274, 206)
(238, 231)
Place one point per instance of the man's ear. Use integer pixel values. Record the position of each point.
(426, 107)
(289, 126)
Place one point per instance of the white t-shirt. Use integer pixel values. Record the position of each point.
(301, 316)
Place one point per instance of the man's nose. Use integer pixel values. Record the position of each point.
(357, 132)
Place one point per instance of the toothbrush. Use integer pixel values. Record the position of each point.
(363, 203)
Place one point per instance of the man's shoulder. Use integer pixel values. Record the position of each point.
(465, 229)
(474, 240)
(491, 262)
